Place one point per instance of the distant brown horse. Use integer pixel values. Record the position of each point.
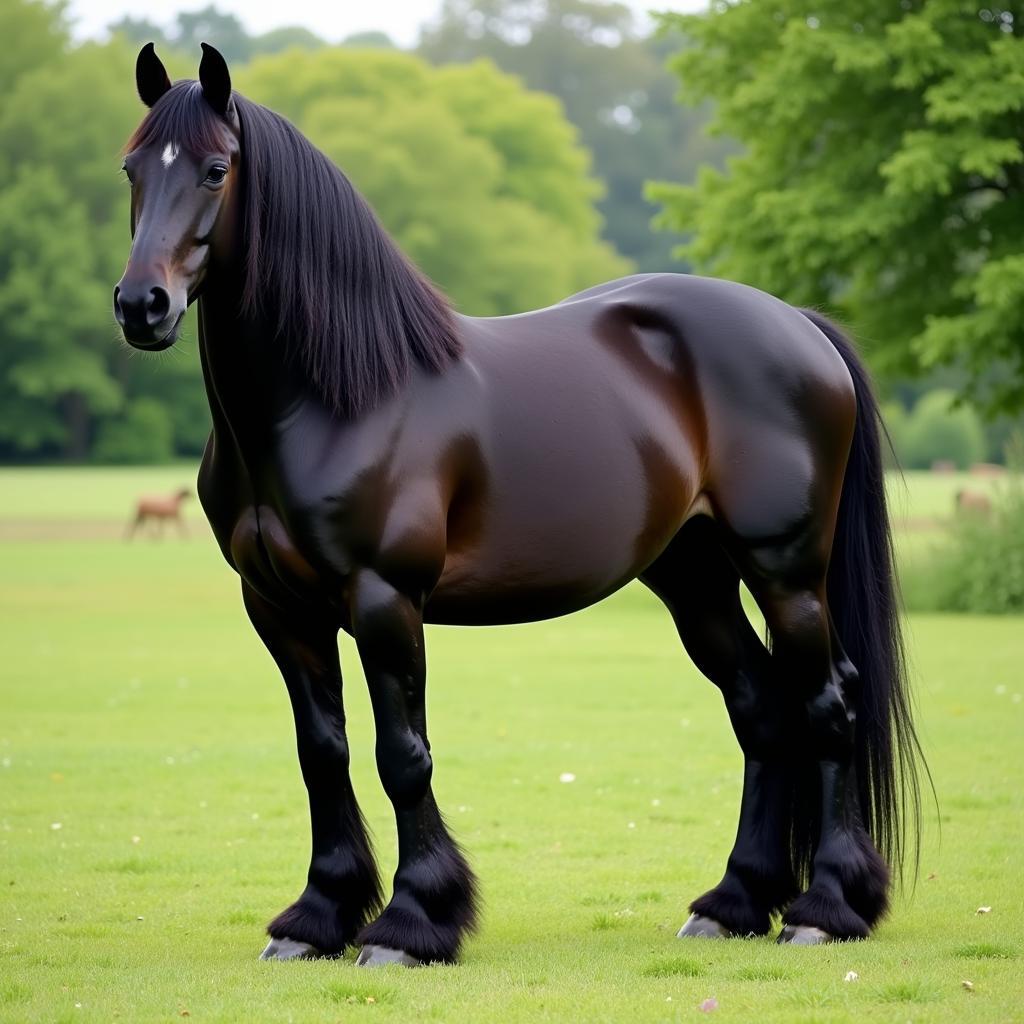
(379, 461)
(973, 503)
(159, 509)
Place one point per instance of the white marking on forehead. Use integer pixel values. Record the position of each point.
(169, 154)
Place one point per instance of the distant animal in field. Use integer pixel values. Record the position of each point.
(991, 469)
(379, 461)
(158, 510)
(974, 503)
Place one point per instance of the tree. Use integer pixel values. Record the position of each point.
(209, 25)
(34, 35)
(370, 39)
(882, 172)
(52, 372)
(225, 31)
(140, 31)
(60, 130)
(64, 225)
(937, 430)
(291, 37)
(613, 85)
(481, 182)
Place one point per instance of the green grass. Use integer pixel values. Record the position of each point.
(140, 714)
(923, 507)
(920, 496)
(88, 493)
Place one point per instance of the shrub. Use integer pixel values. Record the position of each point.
(981, 569)
(143, 433)
(937, 430)
(897, 421)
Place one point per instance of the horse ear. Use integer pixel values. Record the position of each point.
(150, 76)
(215, 79)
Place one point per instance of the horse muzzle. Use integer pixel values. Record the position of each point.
(149, 318)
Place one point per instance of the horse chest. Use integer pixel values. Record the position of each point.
(267, 557)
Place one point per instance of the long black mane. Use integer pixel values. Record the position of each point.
(319, 268)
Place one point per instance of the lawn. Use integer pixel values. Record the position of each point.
(152, 817)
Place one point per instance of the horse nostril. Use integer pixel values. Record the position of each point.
(118, 312)
(159, 305)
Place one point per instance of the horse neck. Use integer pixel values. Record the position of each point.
(249, 382)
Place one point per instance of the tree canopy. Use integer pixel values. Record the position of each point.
(190, 28)
(483, 183)
(613, 84)
(882, 172)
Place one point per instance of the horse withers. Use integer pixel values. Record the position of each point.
(379, 461)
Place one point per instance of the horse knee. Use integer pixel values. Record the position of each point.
(325, 747)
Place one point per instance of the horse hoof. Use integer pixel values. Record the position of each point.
(381, 956)
(289, 949)
(803, 935)
(700, 927)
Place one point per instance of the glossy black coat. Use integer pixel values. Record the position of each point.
(685, 431)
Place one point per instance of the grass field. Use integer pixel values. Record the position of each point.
(152, 817)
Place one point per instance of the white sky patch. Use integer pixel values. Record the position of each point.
(170, 153)
(400, 19)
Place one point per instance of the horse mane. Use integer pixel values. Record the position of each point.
(320, 270)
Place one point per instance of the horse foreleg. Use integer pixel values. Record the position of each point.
(133, 525)
(433, 905)
(343, 888)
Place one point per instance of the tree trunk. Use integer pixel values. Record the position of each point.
(78, 421)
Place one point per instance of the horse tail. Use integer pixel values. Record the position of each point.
(864, 602)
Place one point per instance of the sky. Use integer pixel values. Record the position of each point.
(330, 19)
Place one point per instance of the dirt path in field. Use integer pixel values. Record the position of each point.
(14, 531)
(920, 524)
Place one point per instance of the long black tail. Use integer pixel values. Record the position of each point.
(864, 602)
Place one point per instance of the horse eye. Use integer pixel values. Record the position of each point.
(216, 174)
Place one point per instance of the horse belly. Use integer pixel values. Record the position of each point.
(568, 526)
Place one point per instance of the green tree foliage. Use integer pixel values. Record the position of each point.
(613, 85)
(142, 433)
(980, 565)
(483, 182)
(52, 357)
(64, 375)
(62, 219)
(882, 171)
(480, 181)
(937, 430)
(189, 29)
(33, 36)
(370, 40)
(225, 31)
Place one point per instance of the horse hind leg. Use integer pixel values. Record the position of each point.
(848, 879)
(699, 584)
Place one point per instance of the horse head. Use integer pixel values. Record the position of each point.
(182, 163)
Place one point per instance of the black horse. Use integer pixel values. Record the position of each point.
(378, 461)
